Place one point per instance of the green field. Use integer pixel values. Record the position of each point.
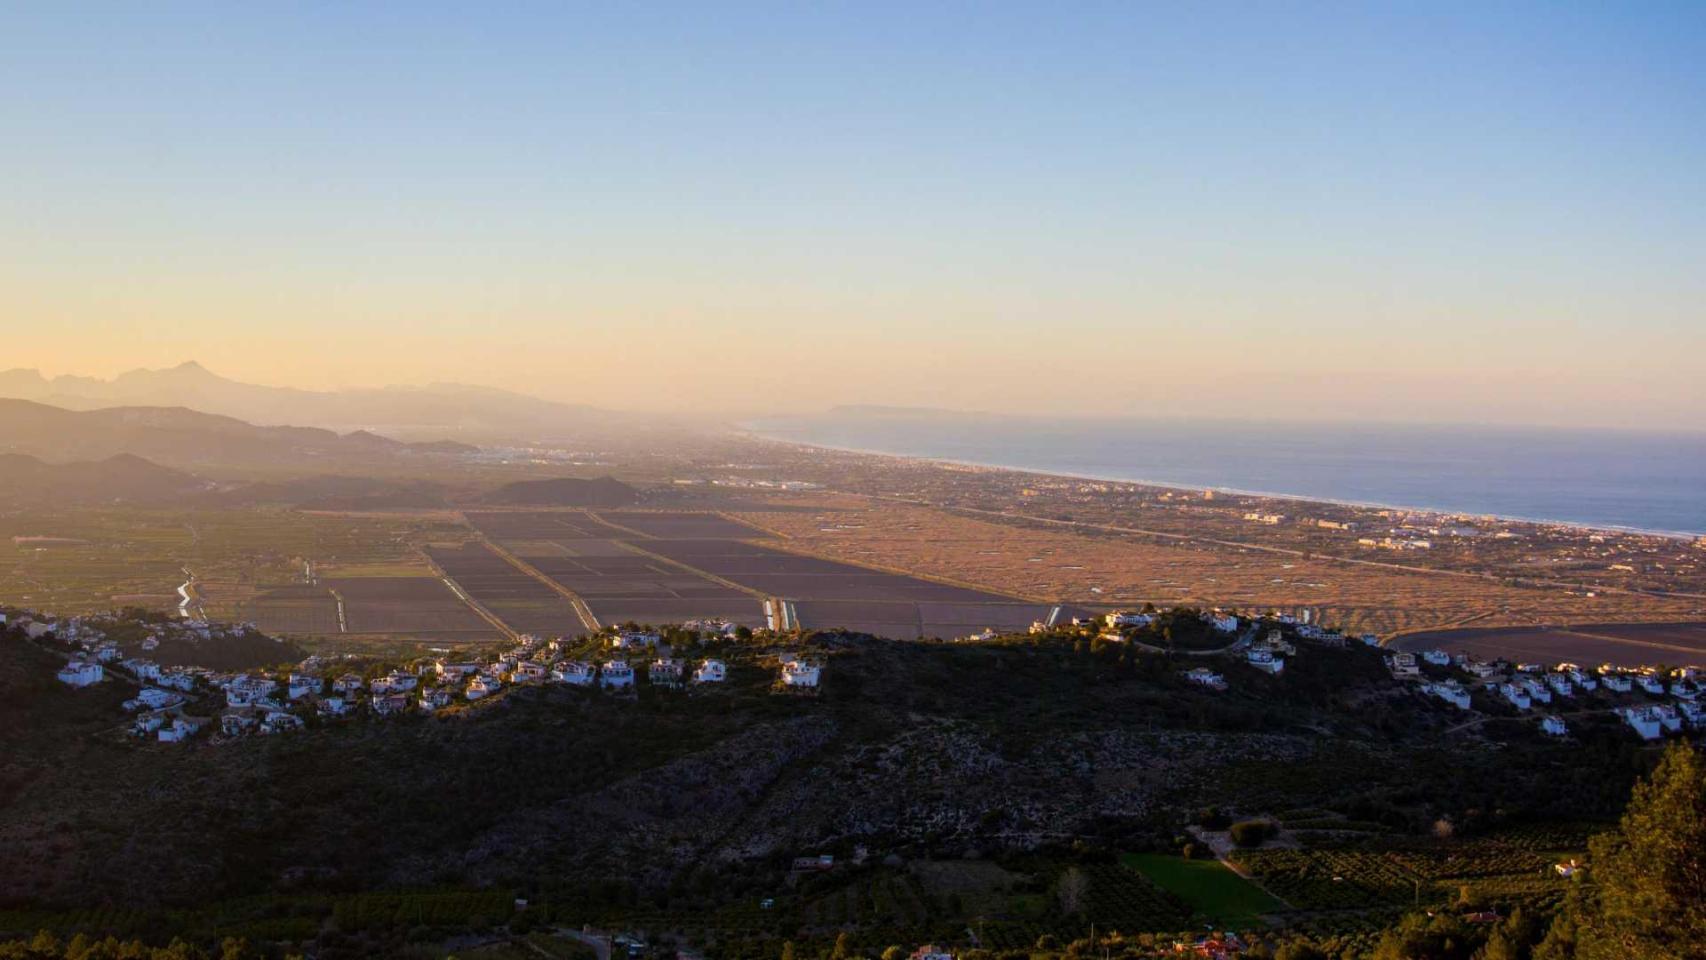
(1207, 885)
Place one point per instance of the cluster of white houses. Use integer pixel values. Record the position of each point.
(1529, 686)
(259, 703)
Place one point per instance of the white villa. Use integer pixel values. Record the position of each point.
(82, 673)
(1222, 622)
(390, 703)
(448, 669)
(394, 682)
(528, 671)
(245, 691)
(635, 639)
(1644, 721)
(575, 672)
(1437, 658)
(1203, 676)
(1126, 618)
(1560, 684)
(666, 672)
(1651, 684)
(1554, 727)
(711, 671)
(333, 707)
(1517, 695)
(301, 685)
(348, 683)
(1403, 666)
(799, 673)
(1537, 691)
(181, 729)
(1618, 683)
(1450, 691)
(1265, 661)
(616, 674)
(481, 686)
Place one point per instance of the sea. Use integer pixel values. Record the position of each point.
(1635, 480)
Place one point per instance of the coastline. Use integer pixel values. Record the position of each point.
(1683, 535)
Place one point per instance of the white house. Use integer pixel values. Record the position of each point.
(1265, 661)
(1222, 622)
(181, 729)
(1403, 666)
(1583, 679)
(1644, 721)
(82, 673)
(1451, 692)
(1554, 726)
(348, 683)
(1537, 691)
(143, 669)
(279, 721)
(1517, 695)
(237, 721)
(1651, 684)
(635, 639)
(108, 652)
(1692, 713)
(1203, 676)
(394, 682)
(334, 707)
(1617, 683)
(482, 686)
(1668, 716)
(575, 672)
(529, 671)
(178, 679)
(153, 698)
(616, 674)
(391, 703)
(1126, 618)
(244, 690)
(1480, 668)
(301, 685)
(801, 674)
(711, 671)
(1437, 658)
(1560, 684)
(435, 699)
(665, 672)
(457, 670)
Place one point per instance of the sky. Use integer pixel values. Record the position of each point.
(1468, 212)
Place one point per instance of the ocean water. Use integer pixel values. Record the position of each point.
(1639, 480)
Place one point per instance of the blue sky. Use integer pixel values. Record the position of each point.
(1461, 211)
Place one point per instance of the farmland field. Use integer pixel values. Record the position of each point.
(1625, 644)
(1207, 885)
(512, 595)
(420, 606)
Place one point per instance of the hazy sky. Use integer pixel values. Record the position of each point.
(1475, 211)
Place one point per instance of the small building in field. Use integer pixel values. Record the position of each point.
(1403, 666)
(529, 671)
(302, 685)
(711, 671)
(1517, 695)
(1437, 658)
(1450, 691)
(1204, 677)
(388, 704)
(1644, 721)
(1554, 726)
(181, 728)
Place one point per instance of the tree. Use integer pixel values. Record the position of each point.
(841, 947)
(1071, 889)
(1648, 896)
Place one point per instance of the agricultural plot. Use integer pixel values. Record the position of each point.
(1207, 886)
(514, 597)
(299, 609)
(1625, 644)
(828, 594)
(682, 526)
(420, 606)
(539, 525)
(1391, 872)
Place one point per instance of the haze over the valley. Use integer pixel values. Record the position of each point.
(1233, 212)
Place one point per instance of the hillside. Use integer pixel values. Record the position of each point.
(445, 410)
(122, 478)
(186, 438)
(923, 750)
(564, 492)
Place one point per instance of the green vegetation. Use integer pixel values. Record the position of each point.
(1207, 886)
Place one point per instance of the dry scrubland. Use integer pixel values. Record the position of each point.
(1062, 565)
